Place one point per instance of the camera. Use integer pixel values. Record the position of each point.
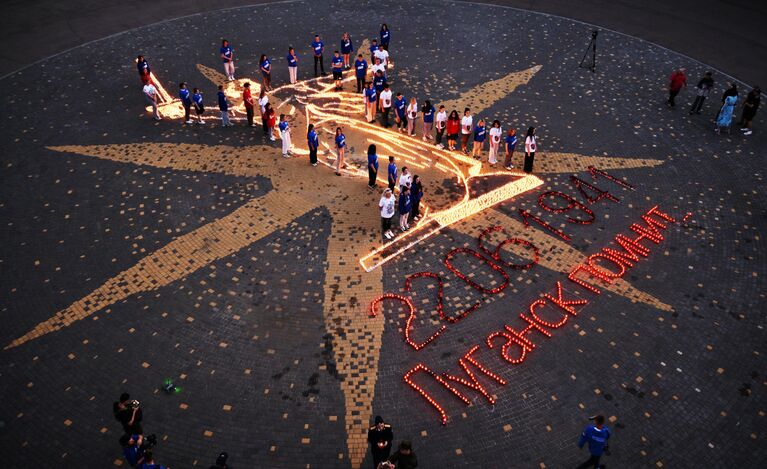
(134, 404)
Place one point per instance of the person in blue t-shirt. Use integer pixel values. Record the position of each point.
(285, 136)
(428, 119)
(149, 462)
(314, 143)
(292, 64)
(318, 47)
(223, 106)
(405, 205)
(400, 112)
(337, 66)
(227, 55)
(379, 82)
(596, 436)
(385, 37)
(346, 49)
(341, 150)
(372, 166)
(511, 145)
(371, 102)
(199, 107)
(266, 71)
(480, 132)
(186, 101)
(360, 71)
(392, 173)
(132, 450)
(373, 49)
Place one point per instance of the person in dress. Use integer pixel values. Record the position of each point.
(386, 205)
(725, 114)
(495, 142)
(412, 115)
(453, 129)
(340, 150)
(480, 132)
(292, 60)
(511, 145)
(271, 121)
(530, 148)
(346, 49)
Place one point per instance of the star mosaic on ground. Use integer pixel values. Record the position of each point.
(138, 251)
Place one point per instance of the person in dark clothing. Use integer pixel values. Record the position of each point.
(133, 449)
(677, 81)
(596, 436)
(404, 458)
(749, 110)
(129, 414)
(416, 194)
(221, 461)
(380, 437)
(372, 166)
(701, 91)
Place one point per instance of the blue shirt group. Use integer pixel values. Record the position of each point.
(400, 106)
(379, 83)
(283, 126)
(373, 159)
(226, 52)
(405, 204)
(223, 104)
(511, 141)
(346, 46)
(479, 133)
(385, 36)
(197, 98)
(392, 171)
(338, 64)
(370, 94)
(596, 438)
(292, 62)
(266, 66)
(318, 46)
(312, 140)
(341, 141)
(183, 94)
(361, 66)
(373, 49)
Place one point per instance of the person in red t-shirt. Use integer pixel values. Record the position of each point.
(247, 99)
(271, 120)
(677, 81)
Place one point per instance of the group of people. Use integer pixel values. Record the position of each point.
(410, 190)
(726, 110)
(380, 437)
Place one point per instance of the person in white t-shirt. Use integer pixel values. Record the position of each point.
(530, 149)
(263, 100)
(441, 120)
(383, 55)
(385, 100)
(378, 66)
(386, 204)
(150, 93)
(495, 141)
(412, 115)
(405, 179)
(466, 127)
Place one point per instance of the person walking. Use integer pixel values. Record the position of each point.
(266, 71)
(732, 90)
(143, 70)
(404, 458)
(199, 107)
(377, 66)
(391, 172)
(386, 204)
(416, 194)
(724, 120)
(360, 72)
(285, 136)
(150, 94)
(385, 100)
(318, 47)
(227, 55)
(677, 81)
(511, 145)
(453, 128)
(701, 93)
(247, 100)
(223, 106)
(337, 67)
(379, 82)
(186, 101)
(749, 110)
(596, 436)
(495, 142)
(263, 100)
(480, 132)
(346, 49)
(428, 120)
(341, 150)
(372, 166)
(271, 121)
(382, 55)
(530, 147)
(466, 127)
(400, 112)
(373, 49)
(441, 124)
(405, 205)
(385, 35)
(313, 142)
(292, 59)
(371, 101)
(412, 115)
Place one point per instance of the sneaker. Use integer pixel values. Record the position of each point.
(158, 118)
(390, 233)
(314, 164)
(749, 132)
(407, 227)
(285, 155)
(388, 236)
(744, 129)
(187, 122)
(509, 168)
(403, 228)
(272, 139)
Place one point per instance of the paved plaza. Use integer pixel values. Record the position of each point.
(625, 276)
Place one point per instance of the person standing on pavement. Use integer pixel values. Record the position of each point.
(128, 412)
(466, 127)
(340, 150)
(416, 193)
(360, 72)
(391, 172)
(405, 179)
(377, 66)
(701, 92)
(385, 36)
(380, 434)
(247, 99)
(186, 101)
(453, 129)
(382, 55)
(371, 100)
(749, 110)
(337, 67)
(318, 47)
(292, 64)
(677, 81)
(480, 132)
(346, 49)
(530, 148)
(263, 100)
(404, 458)
(405, 205)
(400, 112)
(223, 106)
(266, 71)
(441, 125)
(313, 142)
(724, 120)
(495, 142)
(271, 121)
(285, 136)
(143, 70)
(385, 100)
(386, 204)
(596, 436)
(379, 82)
(412, 115)
(428, 120)
(373, 50)
(732, 90)
(511, 145)
(227, 55)
(372, 166)
(199, 107)
(150, 93)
